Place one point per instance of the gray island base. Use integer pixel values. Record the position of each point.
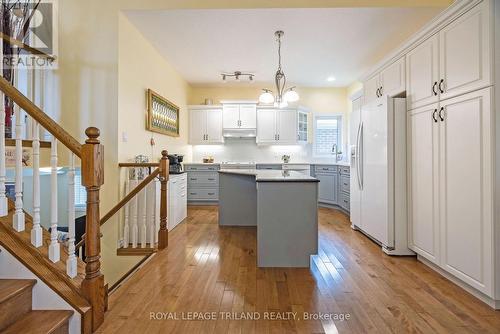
(283, 205)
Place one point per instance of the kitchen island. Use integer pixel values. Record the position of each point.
(283, 205)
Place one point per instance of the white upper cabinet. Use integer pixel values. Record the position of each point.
(371, 89)
(422, 74)
(205, 126)
(280, 127)
(248, 116)
(390, 81)
(231, 116)
(287, 127)
(197, 126)
(465, 53)
(266, 126)
(239, 116)
(214, 126)
(455, 61)
(392, 78)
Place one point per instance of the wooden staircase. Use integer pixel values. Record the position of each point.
(17, 315)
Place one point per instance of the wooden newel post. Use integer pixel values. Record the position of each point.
(92, 179)
(163, 233)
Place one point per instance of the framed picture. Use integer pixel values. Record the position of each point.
(163, 115)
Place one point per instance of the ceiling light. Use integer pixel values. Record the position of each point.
(266, 97)
(331, 79)
(237, 75)
(280, 79)
(291, 95)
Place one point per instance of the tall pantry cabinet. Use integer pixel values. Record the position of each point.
(451, 149)
(453, 103)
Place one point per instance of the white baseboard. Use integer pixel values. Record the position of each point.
(495, 304)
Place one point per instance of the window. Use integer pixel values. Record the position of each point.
(327, 135)
(80, 191)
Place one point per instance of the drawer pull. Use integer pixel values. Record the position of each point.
(211, 194)
(193, 179)
(211, 179)
(345, 184)
(345, 201)
(193, 193)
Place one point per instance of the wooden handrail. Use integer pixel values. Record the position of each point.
(139, 164)
(130, 195)
(21, 45)
(42, 118)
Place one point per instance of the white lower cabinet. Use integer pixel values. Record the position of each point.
(177, 200)
(451, 187)
(423, 159)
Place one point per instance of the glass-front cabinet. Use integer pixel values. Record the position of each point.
(302, 126)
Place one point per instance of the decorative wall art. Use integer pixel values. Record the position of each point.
(163, 115)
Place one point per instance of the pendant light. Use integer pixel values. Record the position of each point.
(283, 95)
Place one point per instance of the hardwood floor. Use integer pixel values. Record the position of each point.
(212, 269)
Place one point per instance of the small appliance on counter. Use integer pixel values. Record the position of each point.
(175, 161)
(208, 160)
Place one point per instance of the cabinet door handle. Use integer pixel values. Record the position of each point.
(377, 92)
(441, 116)
(434, 91)
(441, 89)
(381, 91)
(278, 137)
(434, 116)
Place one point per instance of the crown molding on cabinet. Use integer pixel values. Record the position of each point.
(451, 13)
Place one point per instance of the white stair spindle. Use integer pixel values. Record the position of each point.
(18, 221)
(151, 213)
(133, 213)
(157, 191)
(126, 227)
(144, 212)
(71, 264)
(3, 198)
(36, 232)
(54, 247)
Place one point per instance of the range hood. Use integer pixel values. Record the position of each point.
(239, 133)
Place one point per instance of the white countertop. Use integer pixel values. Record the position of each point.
(271, 175)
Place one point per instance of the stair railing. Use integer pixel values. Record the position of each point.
(139, 225)
(91, 154)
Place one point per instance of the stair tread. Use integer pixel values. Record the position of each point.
(39, 322)
(10, 288)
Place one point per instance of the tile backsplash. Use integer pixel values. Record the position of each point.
(244, 150)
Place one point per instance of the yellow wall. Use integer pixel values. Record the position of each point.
(141, 67)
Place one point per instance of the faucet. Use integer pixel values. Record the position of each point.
(336, 152)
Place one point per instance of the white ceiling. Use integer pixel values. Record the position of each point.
(318, 43)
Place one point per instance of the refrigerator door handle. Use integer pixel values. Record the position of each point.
(360, 156)
(357, 157)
